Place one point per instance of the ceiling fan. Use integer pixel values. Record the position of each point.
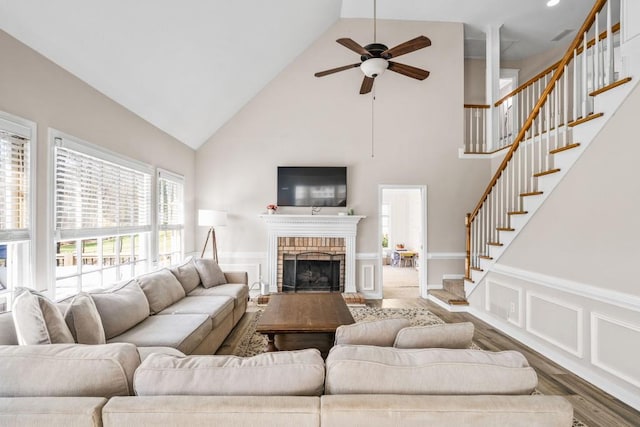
(376, 58)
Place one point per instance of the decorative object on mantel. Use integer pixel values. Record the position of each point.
(211, 219)
(272, 208)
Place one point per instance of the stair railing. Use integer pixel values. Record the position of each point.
(475, 136)
(586, 67)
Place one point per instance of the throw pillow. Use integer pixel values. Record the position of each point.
(84, 321)
(447, 335)
(187, 275)
(37, 319)
(121, 308)
(210, 272)
(161, 289)
(378, 332)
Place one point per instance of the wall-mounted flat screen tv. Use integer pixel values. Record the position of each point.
(312, 186)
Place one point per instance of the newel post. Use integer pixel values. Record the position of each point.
(467, 260)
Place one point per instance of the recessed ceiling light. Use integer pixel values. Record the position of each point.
(552, 3)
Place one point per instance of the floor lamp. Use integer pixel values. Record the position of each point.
(211, 219)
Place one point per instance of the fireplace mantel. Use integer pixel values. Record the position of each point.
(345, 226)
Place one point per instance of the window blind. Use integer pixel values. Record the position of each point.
(97, 197)
(15, 186)
(170, 200)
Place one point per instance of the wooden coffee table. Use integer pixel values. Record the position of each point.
(303, 320)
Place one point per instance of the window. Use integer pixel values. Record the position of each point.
(16, 198)
(170, 217)
(102, 216)
(384, 223)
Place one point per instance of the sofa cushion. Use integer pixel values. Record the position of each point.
(187, 275)
(209, 272)
(67, 370)
(238, 291)
(389, 370)
(7, 329)
(161, 289)
(446, 335)
(215, 307)
(286, 373)
(37, 320)
(84, 321)
(181, 331)
(144, 352)
(121, 307)
(378, 332)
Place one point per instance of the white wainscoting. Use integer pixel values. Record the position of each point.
(253, 270)
(541, 308)
(511, 312)
(621, 364)
(591, 331)
(367, 277)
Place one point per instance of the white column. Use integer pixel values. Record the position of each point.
(492, 85)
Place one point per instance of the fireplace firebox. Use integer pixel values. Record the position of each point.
(313, 272)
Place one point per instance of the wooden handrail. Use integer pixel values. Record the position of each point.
(536, 110)
(476, 106)
(528, 83)
(603, 35)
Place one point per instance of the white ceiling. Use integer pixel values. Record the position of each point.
(188, 66)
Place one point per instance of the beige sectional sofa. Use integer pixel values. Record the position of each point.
(357, 386)
(165, 308)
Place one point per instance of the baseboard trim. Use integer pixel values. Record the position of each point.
(566, 362)
(616, 298)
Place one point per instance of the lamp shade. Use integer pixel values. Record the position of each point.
(209, 218)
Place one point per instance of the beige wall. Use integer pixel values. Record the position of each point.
(34, 88)
(302, 120)
(531, 66)
(475, 81)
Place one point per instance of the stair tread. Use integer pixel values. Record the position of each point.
(476, 268)
(532, 193)
(448, 297)
(565, 148)
(610, 86)
(485, 257)
(517, 213)
(505, 229)
(585, 119)
(494, 244)
(548, 172)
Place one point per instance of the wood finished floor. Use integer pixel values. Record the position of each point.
(591, 405)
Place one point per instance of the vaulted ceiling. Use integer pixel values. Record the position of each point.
(188, 66)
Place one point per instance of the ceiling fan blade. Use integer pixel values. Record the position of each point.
(408, 70)
(367, 85)
(350, 44)
(406, 47)
(336, 70)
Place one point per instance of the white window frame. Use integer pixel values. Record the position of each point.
(163, 174)
(27, 129)
(71, 142)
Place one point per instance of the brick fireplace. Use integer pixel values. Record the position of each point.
(311, 264)
(321, 247)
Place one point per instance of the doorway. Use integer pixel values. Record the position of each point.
(402, 229)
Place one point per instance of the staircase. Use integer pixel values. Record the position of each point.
(559, 113)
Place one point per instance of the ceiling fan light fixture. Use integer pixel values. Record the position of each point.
(374, 67)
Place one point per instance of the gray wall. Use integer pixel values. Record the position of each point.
(34, 88)
(302, 120)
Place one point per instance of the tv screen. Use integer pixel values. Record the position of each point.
(312, 186)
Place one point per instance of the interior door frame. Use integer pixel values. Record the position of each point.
(422, 251)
